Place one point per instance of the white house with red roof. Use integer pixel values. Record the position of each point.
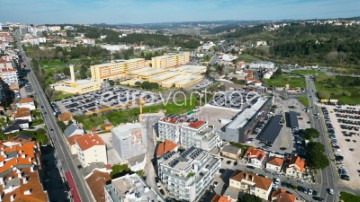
(90, 148)
(255, 157)
(274, 164)
(26, 103)
(295, 167)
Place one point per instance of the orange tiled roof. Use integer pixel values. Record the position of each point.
(281, 195)
(170, 120)
(298, 162)
(196, 124)
(65, 116)
(219, 198)
(96, 181)
(87, 141)
(71, 139)
(275, 161)
(165, 147)
(26, 100)
(260, 182)
(26, 149)
(251, 152)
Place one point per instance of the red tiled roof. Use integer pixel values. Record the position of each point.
(165, 147)
(71, 139)
(96, 181)
(260, 182)
(87, 141)
(26, 100)
(275, 161)
(281, 195)
(219, 198)
(196, 124)
(65, 116)
(298, 162)
(170, 120)
(252, 153)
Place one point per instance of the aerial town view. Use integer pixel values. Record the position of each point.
(192, 100)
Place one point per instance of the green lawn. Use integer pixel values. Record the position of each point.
(303, 100)
(310, 71)
(282, 80)
(345, 89)
(347, 197)
(129, 115)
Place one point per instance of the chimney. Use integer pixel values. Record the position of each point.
(23, 156)
(32, 168)
(72, 73)
(25, 181)
(1, 180)
(12, 197)
(27, 192)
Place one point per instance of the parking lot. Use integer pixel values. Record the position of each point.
(114, 97)
(288, 141)
(203, 84)
(343, 126)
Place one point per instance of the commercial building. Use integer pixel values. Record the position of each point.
(90, 148)
(116, 70)
(243, 124)
(170, 60)
(74, 86)
(19, 179)
(130, 188)
(129, 140)
(186, 175)
(252, 184)
(271, 130)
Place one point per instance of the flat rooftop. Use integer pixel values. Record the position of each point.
(271, 130)
(181, 161)
(124, 129)
(241, 119)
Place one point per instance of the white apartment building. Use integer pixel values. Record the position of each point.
(168, 129)
(9, 75)
(170, 60)
(90, 148)
(186, 175)
(262, 64)
(198, 134)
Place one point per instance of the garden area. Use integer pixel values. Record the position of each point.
(344, 88)
(293, 80)
(347, 197)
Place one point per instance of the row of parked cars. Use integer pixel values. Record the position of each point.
(338, 158)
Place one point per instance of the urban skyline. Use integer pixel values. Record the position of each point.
(140, 11)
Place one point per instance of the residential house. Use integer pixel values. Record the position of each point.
(220, 198)
(295, 167)
(73, 129)
(23, 114)
(252, 184)
(90, 148)
(274, 164)
(72, 144)
(96, 182)
(231, 152)
(19, 180)
(26, 103)
(281, 195)
(137, 163)
(255, 157)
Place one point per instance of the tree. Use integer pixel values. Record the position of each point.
(311, 133)
(249, 198)
(278, 72)
(61, 125)
(83, 71)
(315, 157)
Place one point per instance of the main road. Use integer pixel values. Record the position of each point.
(62, 153)
(328, 175)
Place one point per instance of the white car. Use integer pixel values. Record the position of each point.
(310, 191)
(331, 191)
(277, 181)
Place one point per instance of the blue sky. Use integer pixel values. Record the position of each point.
(147, 11)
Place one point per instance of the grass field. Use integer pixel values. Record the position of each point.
(282, 80)
(130, 115)
(303, 100)
(310, 71)
(347, 197)
(345, 89)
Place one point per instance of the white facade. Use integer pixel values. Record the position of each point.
(273, 168)
(9, 76)
(265, 65)
(29, 105)
(187, 175)
(95, 153)
(203, 137)
(168, 130)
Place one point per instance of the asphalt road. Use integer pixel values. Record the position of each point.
(328, 175)
(62, 153)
